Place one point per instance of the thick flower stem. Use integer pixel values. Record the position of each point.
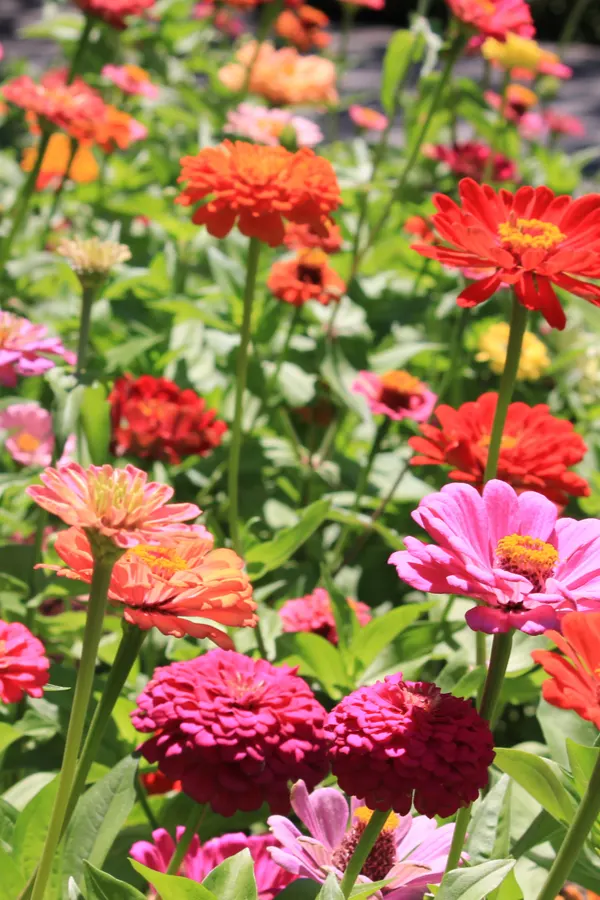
(363, 848)
(80, 49)
(574, 840)
(88, 295)
(241, 374)
(272, 381)
(81, 698)
(196, 816)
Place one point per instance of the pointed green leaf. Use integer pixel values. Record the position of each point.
(490, 827)
(269, 555)
(101, 886)
(539, 779)
(345, 618)
(12, 880)
(399, 55)
(32, 827)
(331, 889)
(234, 878)
(95, 418)
(173, 887)
(475, 882)
(381, 631)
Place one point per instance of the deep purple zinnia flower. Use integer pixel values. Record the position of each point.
(233, 730)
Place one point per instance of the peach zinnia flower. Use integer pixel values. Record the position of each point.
(397, 395)
(303, 28)
(166, 585)
(531, 240)
(120, 505)
(298, 237)
(132, 80)
(367, 118)
(83, 168)
(257, 188)
(495, 18)
(306, 277)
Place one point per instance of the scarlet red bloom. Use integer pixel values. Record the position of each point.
(397, 742)
(114, 12)
(306, 277)
(257, 188)
(233, 730)
(298, 237)
(153, 418)
(157, 783)
(536, 453)
(494, 18)
(314, 613)
(303, 28)
(419, 227)
(575, 676)
(23, 663)
(530, 240)
(474, 160)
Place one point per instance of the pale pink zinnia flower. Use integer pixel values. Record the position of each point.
(23, 663)
(525, 566)
(29, 435)
(396, 394)
(265, 126)
(313, 613)
(562, 123)
(368, 118)
(25, 347)
(120, 505)
(132, 80)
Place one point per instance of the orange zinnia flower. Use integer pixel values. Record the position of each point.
(82, 170)
(258, 187)
(304, 28)
(575, 677)
(530, 240)
(306, 277)
(300, 236)
(164, 585)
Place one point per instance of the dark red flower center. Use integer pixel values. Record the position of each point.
(310, 266)
(383, 855)
(528, 556)
(398, 389)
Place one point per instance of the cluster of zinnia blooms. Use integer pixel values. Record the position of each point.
(27, 349)
(304, 27)
(396, 394)
(152, 418)
(23, 663)
(313, 613)
(473, 159)
(272, 126)
(224, 20)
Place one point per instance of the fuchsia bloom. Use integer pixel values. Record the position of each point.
(473, 159)
(23, 663)
(397, 742)
(233, 730)
(509, 552)
(30, 439)
(313, 613)
(24, 348)
(267, 126)
(132, 80)
(396, 394)
(201, 859)
(412, 852)
(368, 118)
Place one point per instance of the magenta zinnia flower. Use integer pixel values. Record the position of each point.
(233, 730)
(509, 551)
(201, 859)
(397, 742)
(412, 852)
(314, 613)
(23, 663)
(25, 347)
(396, 394)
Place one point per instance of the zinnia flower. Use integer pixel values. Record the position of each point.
(367, 118)
(83, 168)
(530, 240)
(562, 123)
(167, 585)
(515, 103)
(304, 28)
(507, 551)
(496, 18)
(200, 859)
(411, 852)
(314, 613)
(224, 20)
(397, 742)
(306, 277)
(270, 126)
(396, 394)
(257, 188)
(574, 681)
(492, 346)
(120, 505)
(369, 4)
(25, 347)
(536, 452)
(153, 418)
(30, 439)
(132, 80)
(23, 663)
(114, 12)
(91, 258)
(421, 228)
(474, 160)
(233, 730)
(298, 237)
(76, 108)
(117, 128)
(524, 57)
(157, 783)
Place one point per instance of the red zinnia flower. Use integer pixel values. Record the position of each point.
(536, 453)
(313, 613)
(474, 160)
(397, 741)
(495, 18)
(153, 418)
(303, 27)
(23, 663)
(258, 187)
(114, 12)
(234, 730)
(420, 227)
(575, 677)
(306, 277)
(157, 783)
(530, 240)
(298, 237)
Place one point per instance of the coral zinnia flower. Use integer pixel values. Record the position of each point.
(132, 80)
(575, 677)
(530, 239)
(395, 742)
(120, 505)
(313, 613)
(270, 126)
(75, 108)
(153, 418)
(257, 188)
(536, 452)
(303, 28)
(474, 160)
(24, 348)
(420, 227)
(492, 346)
(306, 277)
(524, 57)
(83, 168)
(163, 585)
(495, 18)
(233, 730)
(562, 123)
(114, 12)
(515, 103)
(411, 852)
(368, 118)
(23, 663)
(396, 394)
(507, 551)
(298, 237)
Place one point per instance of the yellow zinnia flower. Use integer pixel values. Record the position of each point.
(492, 345)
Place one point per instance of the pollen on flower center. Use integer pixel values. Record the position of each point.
(507, 442)
(159, 558)
(364, 814)
(530, 234)
(27, 442)
(528, 556)
(137, 72)
(383, 855)
(397, 389)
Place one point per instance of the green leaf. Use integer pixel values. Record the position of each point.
(398, 57)
(489, 832)
(542, 829)
(234, 878)
(508, 890)
(362, 892)
(101, 886)
(95, 418)
(345, 618)
(331, 889)
(539, 779)
(475, 882)
(582, 760)
(302, 889)
(381, 631)
(31, 828)
(8, 735)
(265, 557)
(12, 880)
(560, 724)
(8, 817)
(173, 887)
(316, 657)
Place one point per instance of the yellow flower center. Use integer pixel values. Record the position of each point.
(159, 559)
(401, 382)
(137, 73)
(507, 442)
(363, 815)
(527, 556)
(27, 442)
(519, 95)
(530, 234)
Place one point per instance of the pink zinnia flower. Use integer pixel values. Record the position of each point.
(506, 550)
(367, 118)
(201, 859)
(224, 20)
(24, 348)
(132, 80)
(266, 126)
(30, 439)
(120, 505)
(562, 123)
(233, 730)
(412, 852)
(314, 613)
(396, 394)
(23, 663)
(473, 159)
(495, 18)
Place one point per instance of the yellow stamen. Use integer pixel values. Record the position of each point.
(159, 558)
(528, 556)
(507, 443)
(314, 257)
(528, 234)
(401, 382)
(27, 442)
(137, 73)
(363, 815)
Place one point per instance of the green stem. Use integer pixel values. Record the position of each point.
(480, 649)
(363, 848)
(348, 16)
(272, 381)
(80, 49)
(449, 377)
(191, 828)
(58, 193)
(572, 23)
(142, 797)
(88, 295)
(81, 698)
(241, 374)
(572, 845)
